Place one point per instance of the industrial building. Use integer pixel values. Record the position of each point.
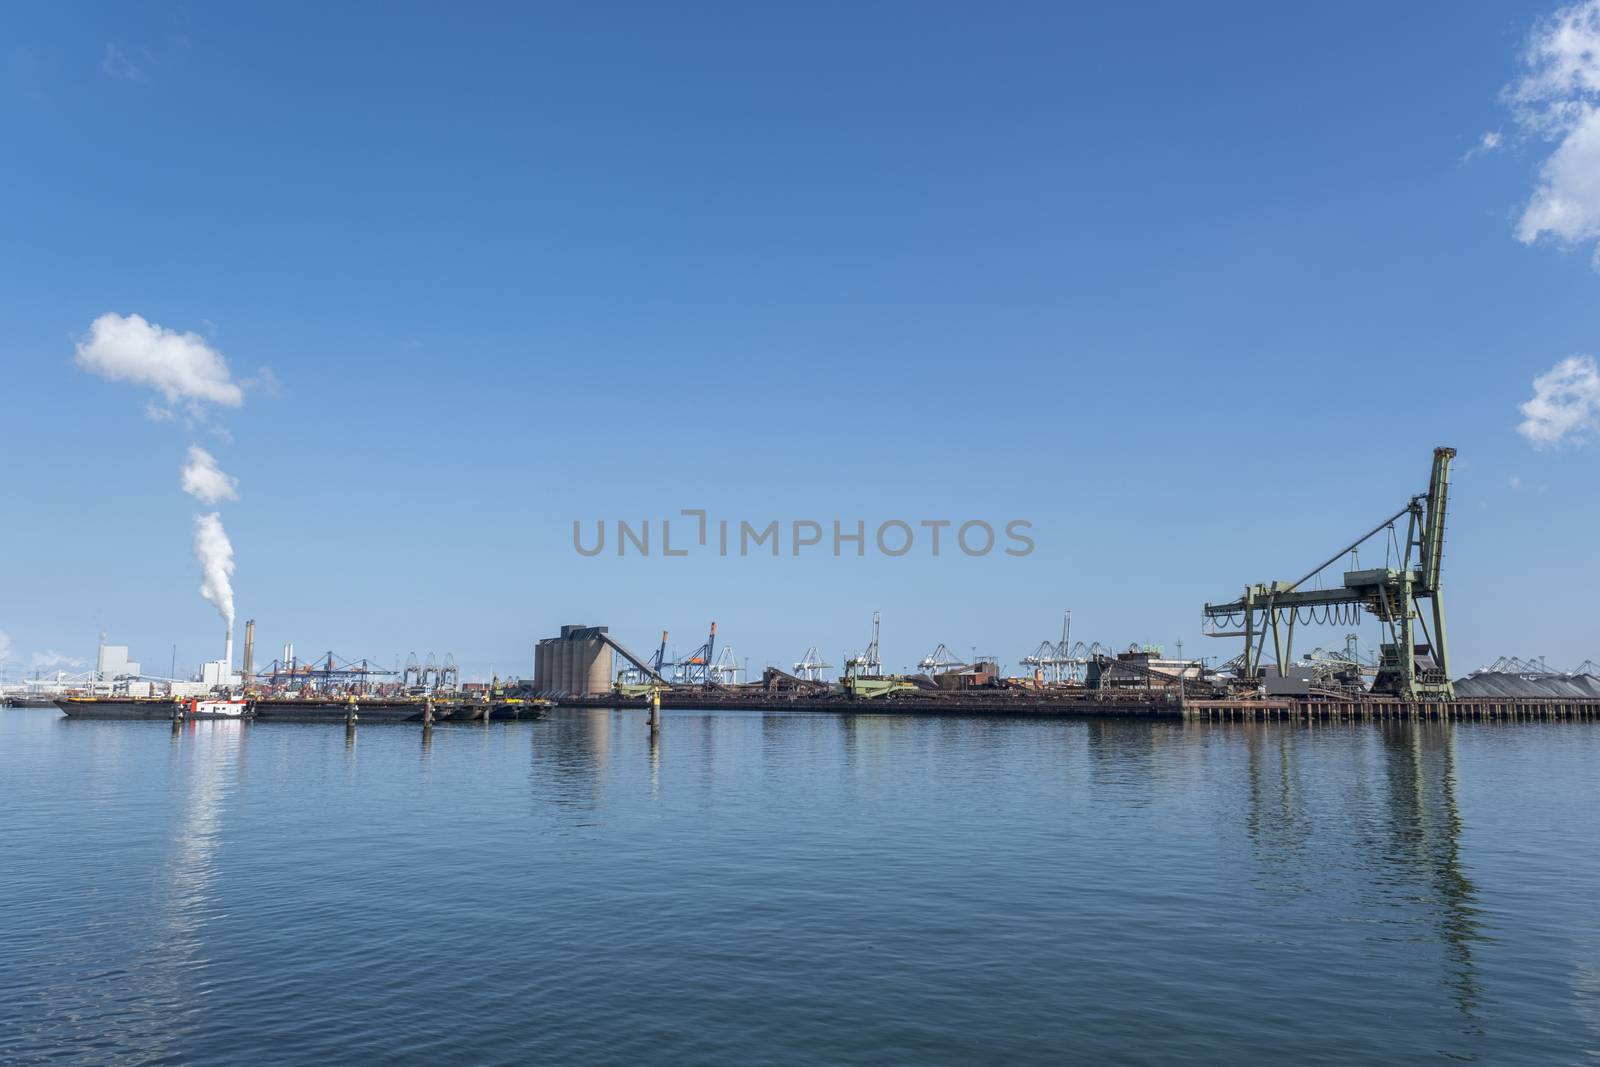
(577, 663)
(113, 663)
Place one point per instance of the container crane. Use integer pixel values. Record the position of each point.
(696, 667)
(940, 659)
(867, 664)
(811, 665)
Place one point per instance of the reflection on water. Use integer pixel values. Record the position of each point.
(1404, 824)
(1426, 829)
(139, 967)
(810, 888)
(208, 755)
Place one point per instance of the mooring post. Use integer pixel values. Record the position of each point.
(427, 714)
(350, 715)
(655, 710)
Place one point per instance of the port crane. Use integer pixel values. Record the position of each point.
(1054, 659)
(811, 665)
(327, 671)
(640, 672)
(699, 666)
(430, 676)
(727, 669)
(940, 659)
(1407, 668)
(866, 664)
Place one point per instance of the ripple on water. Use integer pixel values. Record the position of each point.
(790, 888)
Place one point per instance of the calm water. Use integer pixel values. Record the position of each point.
(797, 889)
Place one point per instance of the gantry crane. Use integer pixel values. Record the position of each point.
(811, 665)
(1406, 668)
(697, 667)
(941, 659)
(868, 664)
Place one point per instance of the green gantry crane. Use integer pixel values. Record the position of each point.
(1407, 668)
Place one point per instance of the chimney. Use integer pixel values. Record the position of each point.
(249, 648)
(227, 653)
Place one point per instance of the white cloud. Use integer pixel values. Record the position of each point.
(1565, 404)
(52, 660)
(1566, 205)
(116, 64)
(263, 381)
(1559, 100)
(1489, 142)
(205, 481)
(180, 365)
(1515, 482)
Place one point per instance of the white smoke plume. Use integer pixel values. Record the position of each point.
(205, 481)
(215, 553)
(53, 660)
(181, 366)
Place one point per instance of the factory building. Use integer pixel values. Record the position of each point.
(579, 662)
(113, 663)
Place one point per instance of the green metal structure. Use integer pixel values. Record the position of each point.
(1407, 667)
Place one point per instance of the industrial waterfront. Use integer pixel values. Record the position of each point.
(778, 887)
(1410, 677)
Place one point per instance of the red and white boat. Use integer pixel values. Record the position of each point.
(217, 709)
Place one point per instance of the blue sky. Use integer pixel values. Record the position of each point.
(1195, 292)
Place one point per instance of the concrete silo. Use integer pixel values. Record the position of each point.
(580, 662)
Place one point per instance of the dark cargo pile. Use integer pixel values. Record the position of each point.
(1495, 684)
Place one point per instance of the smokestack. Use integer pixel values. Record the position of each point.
(249, 648)
(227, 653)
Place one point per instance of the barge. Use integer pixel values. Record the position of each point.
(292, 709)
(152, 708)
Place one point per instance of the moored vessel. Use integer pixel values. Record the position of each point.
(99, 707)
(96, 707)
(329, 709)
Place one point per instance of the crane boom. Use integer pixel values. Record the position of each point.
(1394, 594)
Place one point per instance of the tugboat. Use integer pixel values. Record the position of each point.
(227, 708)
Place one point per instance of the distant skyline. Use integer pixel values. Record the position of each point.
(341, 319)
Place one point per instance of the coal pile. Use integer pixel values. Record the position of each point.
(1496, 684)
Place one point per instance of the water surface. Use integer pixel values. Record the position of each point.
(793, 888)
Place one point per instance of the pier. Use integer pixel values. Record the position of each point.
(1461, 709)
(1122, 706)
